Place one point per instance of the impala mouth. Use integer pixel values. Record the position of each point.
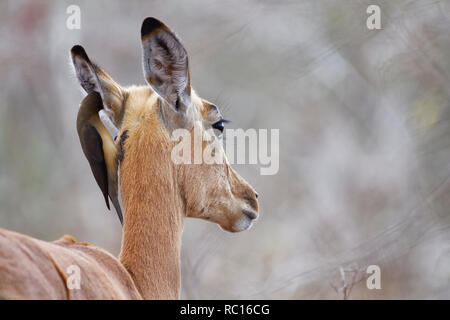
(246, 222)
(242, 224)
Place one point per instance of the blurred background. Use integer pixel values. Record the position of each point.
(364, 119)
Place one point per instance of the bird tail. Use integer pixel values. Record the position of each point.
(106, 200)
(118, 209)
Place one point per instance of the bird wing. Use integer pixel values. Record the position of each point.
(92, 145)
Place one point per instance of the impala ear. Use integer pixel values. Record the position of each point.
(93, 78)
(165, 64)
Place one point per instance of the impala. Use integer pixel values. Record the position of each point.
(157, 194)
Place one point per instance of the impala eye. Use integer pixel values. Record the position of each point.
(220, 125)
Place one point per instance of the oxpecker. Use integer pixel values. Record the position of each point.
(99, 148)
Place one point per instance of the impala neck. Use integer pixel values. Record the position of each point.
(152, 225)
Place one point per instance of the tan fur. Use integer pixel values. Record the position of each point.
(157, 195)
(35, 269)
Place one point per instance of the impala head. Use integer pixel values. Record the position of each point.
(147, 116)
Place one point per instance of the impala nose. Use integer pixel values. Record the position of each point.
(250, 197)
